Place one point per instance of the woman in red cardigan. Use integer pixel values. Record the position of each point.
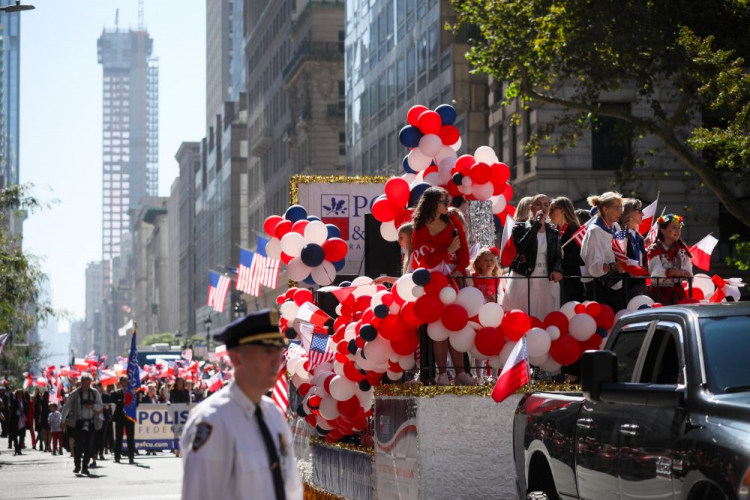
(439, 244)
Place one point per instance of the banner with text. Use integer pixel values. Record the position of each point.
(159, 426)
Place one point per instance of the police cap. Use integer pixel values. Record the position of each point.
(259, 328)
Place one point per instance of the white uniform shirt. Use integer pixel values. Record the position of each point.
(223, 452)
(596, 250)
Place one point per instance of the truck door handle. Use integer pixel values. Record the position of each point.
(584, 423)
(629, 429)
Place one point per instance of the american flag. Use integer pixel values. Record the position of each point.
(620, 246)
(280, 393)
(244, 272)
(218, 287)
(264, 270)
(320, 351)
(580, 233)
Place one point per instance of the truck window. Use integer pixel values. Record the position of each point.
(662, 363)
(726, 342)
(627, 346)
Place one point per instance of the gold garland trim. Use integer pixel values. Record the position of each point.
(431, 391)
(342, 446)
(313, 493)
(296, 180)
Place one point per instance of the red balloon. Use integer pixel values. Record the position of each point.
(351, 372)
(430, 122)
(397, 191)
(515, 324)
(412, 116)
(269, 226)
(302, 295)
(438, 281)
(360, 342)
(409, 316)
(454, 317)
(689, 300)
(396, 297)
(580, 309)
(508, 193)
(565, 350)
(510, 209)
(606, 317)
(349, 407)
(558, 319)
(535, 322)
(286, 259)
(405, 345)
(387, 299)
(280, 299)
(428, 307)
(500, 172)
(480, 173)
(593, 343)
(449, 135)
(403, 217)
(489, 341)
(311, 420)
(593, 309)
(391, 327)
(335, 249)
(697, 293)
(464, 163)
(384, 211)
(299, 226)
(314, 401)
(303, 389)
(282, 228)
(342, 347)
(327, 383)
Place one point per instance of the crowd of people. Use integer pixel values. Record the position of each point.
(556, 254)
(86, 419)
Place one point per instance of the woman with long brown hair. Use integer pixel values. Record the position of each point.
(563, 215)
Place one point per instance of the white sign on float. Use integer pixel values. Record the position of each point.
(345, 206)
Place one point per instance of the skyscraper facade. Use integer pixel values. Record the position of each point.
(218, 55)
(10, 65)
(130, 126)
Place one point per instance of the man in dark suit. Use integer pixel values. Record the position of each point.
(122, 422)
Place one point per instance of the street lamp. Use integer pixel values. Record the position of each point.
(17, 7)
(207, 322)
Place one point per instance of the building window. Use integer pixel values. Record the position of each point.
(342, 144)
(499, 142)
(527, 130)
(611, 146)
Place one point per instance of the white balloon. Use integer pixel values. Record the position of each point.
(291, 364)
(365, 400)
(289, 310)
(388, 231)
(324, 274)
(471, 299)
(418, 161)
(445, 152)
(553, 332)
(394, 308)
(338, 368)
(485, 154)
(537, 342)
(437, 332)
(320, 422)
(273, 249)
(444, 169)
(296, 270)
(463, 340)
(296, 380)
(378, 351)
(505, 352)
(430, 145)
(342, 388)
(569, 308)
(499, 205)
(491, 314)
(316, 232)
(394, 376)
(417, 291)
(582, 327)
(551, 366)
(338, 310)
(704, 283)
(408, 177)
(496, 362)
(329, 408)
(361, 280)
(377, 299)
(407, 362)
(483, 192)
(619, 314)
(457, 145)
(638, 301)
(292, 244)
(405, 286)
(448, 295)
(364, 287)
(539, 360)
(477, 355)
(433, 179)
(466, 181)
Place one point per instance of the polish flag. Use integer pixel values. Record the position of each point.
(649, 213)
(701, 252)
(507, 248)
(311, 313)
(215, 382)
(81, 364)
(515, 373)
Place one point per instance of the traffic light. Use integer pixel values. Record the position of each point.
(28, 354)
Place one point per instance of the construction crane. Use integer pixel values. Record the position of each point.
(141, 23)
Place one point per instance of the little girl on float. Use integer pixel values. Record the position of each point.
(669, 257)
(486, 268)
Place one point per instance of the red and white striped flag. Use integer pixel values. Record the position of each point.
(264, 270)
(218, 287)
(580, 233)
(701, 252)
(245, 271)
(280, 394)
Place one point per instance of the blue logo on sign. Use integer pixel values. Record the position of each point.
(336, 206)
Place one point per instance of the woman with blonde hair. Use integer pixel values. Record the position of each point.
(563, 215)
(597, 254)
(522, 213)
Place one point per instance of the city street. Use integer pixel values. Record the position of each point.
(40, 475)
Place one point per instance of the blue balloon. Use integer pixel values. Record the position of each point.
(333, 231)
(410, 136)
(457, 178)
(309, 280)
(322, 431)
(406, 166)
(364, 385)
(421, 277)
(345, 284)
(295, 213)
(644, 306)
(457, 201)
(338, 266)
(301, 410)
(416, 193)
(312, 218)
(447, 114)
(381, 311)
(368, 332)
(352, 346)
(312, 255)
(601, 331)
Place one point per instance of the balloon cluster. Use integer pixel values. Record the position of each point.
(391, 208)
(312, 251)
(479, 177)
(430, 135)
(289, 303)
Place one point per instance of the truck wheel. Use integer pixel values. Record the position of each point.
(536, 495)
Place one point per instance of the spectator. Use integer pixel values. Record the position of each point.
(81, 411)
(669, 257)
(597, 254)
(538, 255)
(563, 215)
(630, 221)
(54, 421)
(583, 215)
(18, 421)
(179, 394)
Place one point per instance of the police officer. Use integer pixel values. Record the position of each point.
(237, 443)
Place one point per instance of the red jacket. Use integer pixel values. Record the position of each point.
(431, 251)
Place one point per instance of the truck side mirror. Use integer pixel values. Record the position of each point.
(597, 368)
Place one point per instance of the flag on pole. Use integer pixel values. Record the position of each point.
(580, 233)
(311, 313)
(340, 292)
(187, 354)
(507, 247)
(218, 287)
(244, 271)
(280, 394)
(215, 382)
(3, 339)
(320, 350)
(515, 373)
(649, 216)
(265, 271)
(701, 252)
(134, 380)
(124, 329)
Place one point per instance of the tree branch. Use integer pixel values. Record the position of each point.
(682, 108)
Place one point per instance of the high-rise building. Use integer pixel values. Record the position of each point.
(94, 303)
(130, 126)
(189, 159)
(10, 66)
(398, 54)
(237, 70)
(219, 16)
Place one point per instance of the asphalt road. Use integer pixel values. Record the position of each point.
(40, 475)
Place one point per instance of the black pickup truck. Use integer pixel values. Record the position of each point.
(664, 413)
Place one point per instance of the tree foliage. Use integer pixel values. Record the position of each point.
(158, 338)
(682, 57)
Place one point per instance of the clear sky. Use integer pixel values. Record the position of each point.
(61, 124)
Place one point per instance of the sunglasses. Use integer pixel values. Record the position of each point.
(445, 201)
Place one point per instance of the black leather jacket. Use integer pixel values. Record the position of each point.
(524, 238)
